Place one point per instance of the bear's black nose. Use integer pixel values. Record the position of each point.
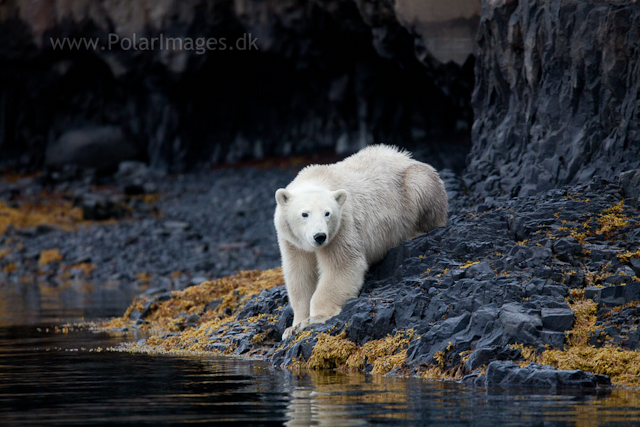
(320, 238)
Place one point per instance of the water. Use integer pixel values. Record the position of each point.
(49, 378)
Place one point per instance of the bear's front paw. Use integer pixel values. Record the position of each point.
(289, 332)
(294, 330)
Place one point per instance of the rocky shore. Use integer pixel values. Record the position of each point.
(534, 281)
(534, 291)
(96, 242)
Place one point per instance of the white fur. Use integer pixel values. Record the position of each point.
(376, 199)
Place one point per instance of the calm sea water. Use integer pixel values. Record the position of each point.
(49, 378)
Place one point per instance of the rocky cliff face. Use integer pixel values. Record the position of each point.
(330, 75)
(556, 97)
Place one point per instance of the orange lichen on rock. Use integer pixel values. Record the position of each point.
(10, 268)
(144, 277)
(626, 256)
(4, 252)
(48, 256)
(58, 213)
(610, 220)
(84, 267)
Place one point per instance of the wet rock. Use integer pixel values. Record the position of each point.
(284, 321)
(267, 302)
(192, 320)
(131, 169)
(632, 342)
(155, 291)
(166, 296)
(147, 307)
(388, 266)
(553, 339)
(100, 207)
(437, 338)
(566, 249)
(221, 347)
(522, 325)
(593, 293)
(197, 280)
(613, 296)
(133, 189)
(480, 271)
(557, 319)
(212, 305)
(485, 355)
(630, 184)
(635, 263)
(92, 147)
(243, 347)
(44, 229)
(535, 375)
(176, 225)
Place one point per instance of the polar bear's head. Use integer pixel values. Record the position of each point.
(312, 214)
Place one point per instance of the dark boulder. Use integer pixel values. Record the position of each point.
(630, 184)
(100, 148)
(557, 319)
(535, 375)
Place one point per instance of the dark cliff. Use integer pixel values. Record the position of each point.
(321, 75)
(556, 97)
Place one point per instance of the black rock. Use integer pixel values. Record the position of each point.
(176, 225)
(480, 271)
(133, 189)
(557, 319)
(630, 184)
(567, 248)
(509, 374)
(212, 305)
(593, 293)
(99, 207)
(147, 309)
(284, 321)
(554, 339)
(520, 324)
(485, 355)
(633, 340)
(92, 147)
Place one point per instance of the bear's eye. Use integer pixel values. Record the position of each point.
(326, 214)
(305, 215)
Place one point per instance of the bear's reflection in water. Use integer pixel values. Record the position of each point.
(334, 399)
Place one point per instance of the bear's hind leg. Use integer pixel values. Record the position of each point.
(426, 202)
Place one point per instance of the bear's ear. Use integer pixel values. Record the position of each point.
(282, 196)
(341, 196)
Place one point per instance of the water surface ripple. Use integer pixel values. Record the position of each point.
(49, 378)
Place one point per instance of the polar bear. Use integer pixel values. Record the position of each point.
(333, 221)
